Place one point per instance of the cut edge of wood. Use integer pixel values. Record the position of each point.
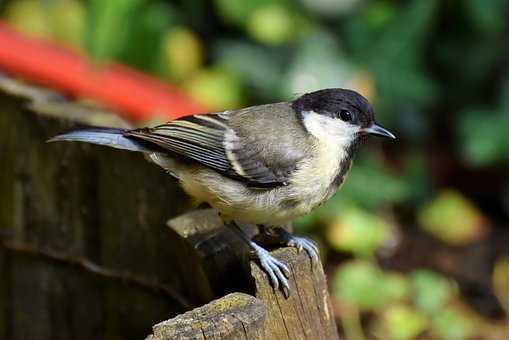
(236, 315)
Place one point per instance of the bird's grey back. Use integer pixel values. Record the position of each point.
(272, 137)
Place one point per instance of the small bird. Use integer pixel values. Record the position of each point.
(264, 165)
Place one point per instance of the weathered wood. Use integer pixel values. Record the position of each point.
(235, 316)
(222, 255)
(106, 206)
(306, 314)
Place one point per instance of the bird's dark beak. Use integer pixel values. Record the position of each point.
(377, 130)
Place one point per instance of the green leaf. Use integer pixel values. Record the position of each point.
(450, 324)
(108, 26)
(273, 24)
(182, 53)
(401, 322)
(369, 184)
(144, 49)
(452, 218)
(484, 136)
(237, 12)
(218, 88)
(487, 15)
(431, 290)
(264, 71)
(318, 63)
(358, 232)
(361, 284)
(396, 286)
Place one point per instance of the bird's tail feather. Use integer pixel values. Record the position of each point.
(102, 136)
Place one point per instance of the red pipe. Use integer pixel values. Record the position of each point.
(131, 93)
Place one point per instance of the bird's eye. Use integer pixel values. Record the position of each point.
(345, 115)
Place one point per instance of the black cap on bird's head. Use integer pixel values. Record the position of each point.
(347, 105)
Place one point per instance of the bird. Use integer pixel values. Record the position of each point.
(262, 165)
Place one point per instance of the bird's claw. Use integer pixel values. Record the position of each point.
(306, 244)
(277, 271)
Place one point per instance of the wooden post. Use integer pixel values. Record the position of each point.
(85, 250)
(306, 314)
(235, 316)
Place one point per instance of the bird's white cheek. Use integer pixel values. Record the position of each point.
(330, 131)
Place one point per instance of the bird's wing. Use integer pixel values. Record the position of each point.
(224, 143)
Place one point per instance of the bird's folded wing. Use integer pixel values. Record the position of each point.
(210, 140)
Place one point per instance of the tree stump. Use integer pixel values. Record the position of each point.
(235, 316)
(306, 314)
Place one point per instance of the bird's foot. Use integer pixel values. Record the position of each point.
(282, 236)
(277, 271)
(303, 243)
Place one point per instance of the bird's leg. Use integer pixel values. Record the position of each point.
(289, 240)
(277, 271)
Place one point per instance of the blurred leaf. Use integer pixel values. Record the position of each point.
(416, 175)
(484, 136)
(358, 232)
(61, 20)
(450, 324)
(238, 12)
(487, 15)
(378, 14)
(273, 24)
(452, 218)
(370, 185)
(501, 281)
(431, 291)
(359, 283)
(67, 19)
(183, 52)
(401, 322)
(30, 17)
(146, 38)
(262, 74)
(108, 26)
(331, 8)
(318, 64)
(504, 96)
(217, 88)
(396, 286)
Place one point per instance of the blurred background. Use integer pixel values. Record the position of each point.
(416, 244)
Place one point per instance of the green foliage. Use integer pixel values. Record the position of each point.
(402, 322)
(239, 12)
(108, 24)
(431, 291)
(358, 232)
(371, 185)
(364, 285)
(484, 136)
(449, 324)
(62, 20)
(452, 218)
(272, 24)
(218, 88)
